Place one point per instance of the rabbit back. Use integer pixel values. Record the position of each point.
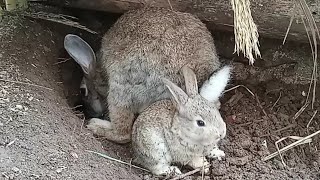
(147, 44)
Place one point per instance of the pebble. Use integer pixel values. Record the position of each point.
(60, 169)
(15, 169)
(11, 176)
(74, 155)
(19, 106)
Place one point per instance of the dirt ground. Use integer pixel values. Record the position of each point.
(42, 132)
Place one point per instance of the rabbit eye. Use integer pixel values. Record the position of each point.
(200, 123)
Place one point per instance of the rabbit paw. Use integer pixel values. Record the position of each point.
(98, 126)
(167, 170)
(216, 153)
(200, 162)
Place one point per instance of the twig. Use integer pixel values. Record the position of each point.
(300, 110)
(63, 61)
(117, 160)
(276, 100)
(235, 87)
(314, 114)
(10, 143)
(181, 176)
(290, 24)
(24, 83)
(259, 104)
(290, 146)
(170, 5)
(285, 128)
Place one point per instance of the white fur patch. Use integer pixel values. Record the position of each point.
(215, 85)
(217, 153)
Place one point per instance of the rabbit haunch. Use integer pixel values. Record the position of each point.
(183, 130)
(142, 47)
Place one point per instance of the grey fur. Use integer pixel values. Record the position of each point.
(167, 132)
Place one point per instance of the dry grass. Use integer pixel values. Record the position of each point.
(117, 160)
(300, 141)
(59, 18)
(245, 30)
(312, 31)
(301, 7)
(24, 83)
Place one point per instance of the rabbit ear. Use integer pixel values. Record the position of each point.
(178, 94)
(213, 88)
(190, 80)
(81, 52)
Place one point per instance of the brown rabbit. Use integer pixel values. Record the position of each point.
(141, 48)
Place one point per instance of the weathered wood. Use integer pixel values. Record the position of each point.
(271, 16)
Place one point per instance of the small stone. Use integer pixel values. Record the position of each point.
(146, 177)
(1, 124)
(74, 155)
(19, 106)
(60, 169)
(46, 49)
(239, 161)
(30, 98)
(11, 176)
(15, 169)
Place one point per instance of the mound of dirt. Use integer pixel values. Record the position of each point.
(40, 136)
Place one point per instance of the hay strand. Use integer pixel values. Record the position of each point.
(59, 18)
(182, 176)
(28, 84)
(117, 160)
(245, 30)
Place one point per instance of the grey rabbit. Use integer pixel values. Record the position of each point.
(142, 47)
(183, 130)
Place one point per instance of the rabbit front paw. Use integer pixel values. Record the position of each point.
(216, 153)
(167, 170)
(200, 162)
(98, 126)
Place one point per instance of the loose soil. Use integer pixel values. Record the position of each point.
(43, 134)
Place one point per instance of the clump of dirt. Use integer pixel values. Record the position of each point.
(43, 135)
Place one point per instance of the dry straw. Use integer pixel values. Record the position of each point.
(245, 30)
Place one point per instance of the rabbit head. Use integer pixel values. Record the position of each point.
(197, 118)
(83, 54)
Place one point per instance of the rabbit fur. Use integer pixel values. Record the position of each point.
(183, 130)
(142, 47)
